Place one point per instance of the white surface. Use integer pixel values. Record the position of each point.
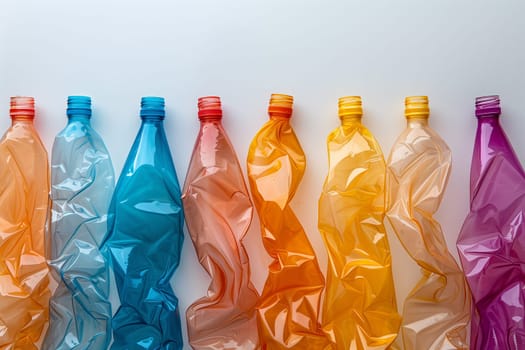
(118, 51)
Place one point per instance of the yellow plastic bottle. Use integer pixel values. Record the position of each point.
(288, 311)
(437, 311)
(359, 310)
(24, 198)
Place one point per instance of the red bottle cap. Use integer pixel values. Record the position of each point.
(22, 106)
(210, 107)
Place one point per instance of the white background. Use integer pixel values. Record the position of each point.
(118, 51)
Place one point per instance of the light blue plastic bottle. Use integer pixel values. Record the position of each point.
(145, 239)
(82, 183)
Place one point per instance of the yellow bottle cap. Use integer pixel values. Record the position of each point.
(350, 106)
(416, 107)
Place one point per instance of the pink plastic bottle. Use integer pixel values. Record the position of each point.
(218, 214)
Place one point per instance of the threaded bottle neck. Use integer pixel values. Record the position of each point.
(22, 108)
(152, 108)
(416, 107)
(350, 109)
(210, 108)
(78, 107)
(488, 106)
(281, 106)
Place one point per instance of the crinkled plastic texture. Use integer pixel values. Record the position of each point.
(82, 182)
(289, 307)
(492, 240)
(218, 214)
(24, 198)
(144, 243)
(436, 312)
(359, 309)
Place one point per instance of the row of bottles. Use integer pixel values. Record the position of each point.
(132, 233)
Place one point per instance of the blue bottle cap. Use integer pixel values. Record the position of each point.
(79, 105)
(152, 106)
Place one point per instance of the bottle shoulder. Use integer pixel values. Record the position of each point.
(213, 161)
(354, 140)
(75, 132)
(274, 140)
(421, 140)
(493, 151)
(79, 143)
(24, 157)
(23, 141)
(420, 159)
(150, 153)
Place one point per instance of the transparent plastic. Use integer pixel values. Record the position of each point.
(145, 239)
(289, 308)
(359, 309)
(24, 199)
(436, 312)
(491, 243)
(218, 214)
(82, 182)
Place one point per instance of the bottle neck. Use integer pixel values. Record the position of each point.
(490, 118)
(78, 118)
(155, 119)
(279, 116)
(417, 121)
(22, 109)
(351, 119)
(210, 119)
(280, 107)
(22, 119)
(488, 106)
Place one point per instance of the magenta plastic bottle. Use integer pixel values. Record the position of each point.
(491, 244)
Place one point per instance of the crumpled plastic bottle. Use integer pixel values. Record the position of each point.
(82, 182)
(218, 214)
(24, 199)
(145, 239)
(492, 240)
(359, 309)
(436, 312)
(289, 307)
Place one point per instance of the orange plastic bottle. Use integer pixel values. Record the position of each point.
(289, 306)
(24, 197)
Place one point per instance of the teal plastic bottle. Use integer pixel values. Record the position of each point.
(145, 239)
(82, 183)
